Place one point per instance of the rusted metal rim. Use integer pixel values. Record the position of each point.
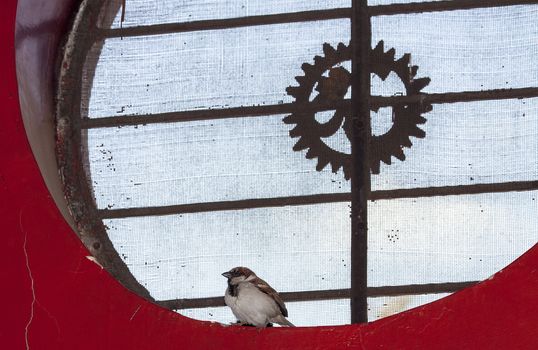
(70, 137)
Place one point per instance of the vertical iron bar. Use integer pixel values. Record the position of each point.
(360, 178)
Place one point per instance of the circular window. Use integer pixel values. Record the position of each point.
(194, 137)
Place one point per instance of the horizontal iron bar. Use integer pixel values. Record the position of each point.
(226, 205)
(455, 97)
(372, 292)
(437, 6)
(226, 23)
(516, 186)
(286, 108)
(317, 199)
(417, 289)
(211, 114)
(304, 16)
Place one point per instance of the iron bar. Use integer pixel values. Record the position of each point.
(304, 16)
(227, 23)
(372, 292)
(226, 205)
(286, 108)
(418, 289)
(455, 97)
(360, 140)
(438, 6)
(211, 114)
(517, 186)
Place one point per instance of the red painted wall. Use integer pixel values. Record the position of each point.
(54, 298)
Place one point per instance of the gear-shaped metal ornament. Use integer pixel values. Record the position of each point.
(332, 81)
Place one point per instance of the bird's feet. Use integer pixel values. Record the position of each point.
(239, 323)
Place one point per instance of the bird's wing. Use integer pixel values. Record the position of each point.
(266, 288)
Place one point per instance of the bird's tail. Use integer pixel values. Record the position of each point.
(281, 320)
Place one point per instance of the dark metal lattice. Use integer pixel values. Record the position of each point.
(71, 126)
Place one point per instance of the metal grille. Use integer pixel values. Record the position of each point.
(73, 128)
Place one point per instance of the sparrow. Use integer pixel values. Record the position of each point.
(252, 300)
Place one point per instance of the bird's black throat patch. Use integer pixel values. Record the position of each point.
(232, 289)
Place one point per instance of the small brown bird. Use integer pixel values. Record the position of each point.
(252, 300)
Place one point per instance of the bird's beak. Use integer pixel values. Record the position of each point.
(227, 274)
